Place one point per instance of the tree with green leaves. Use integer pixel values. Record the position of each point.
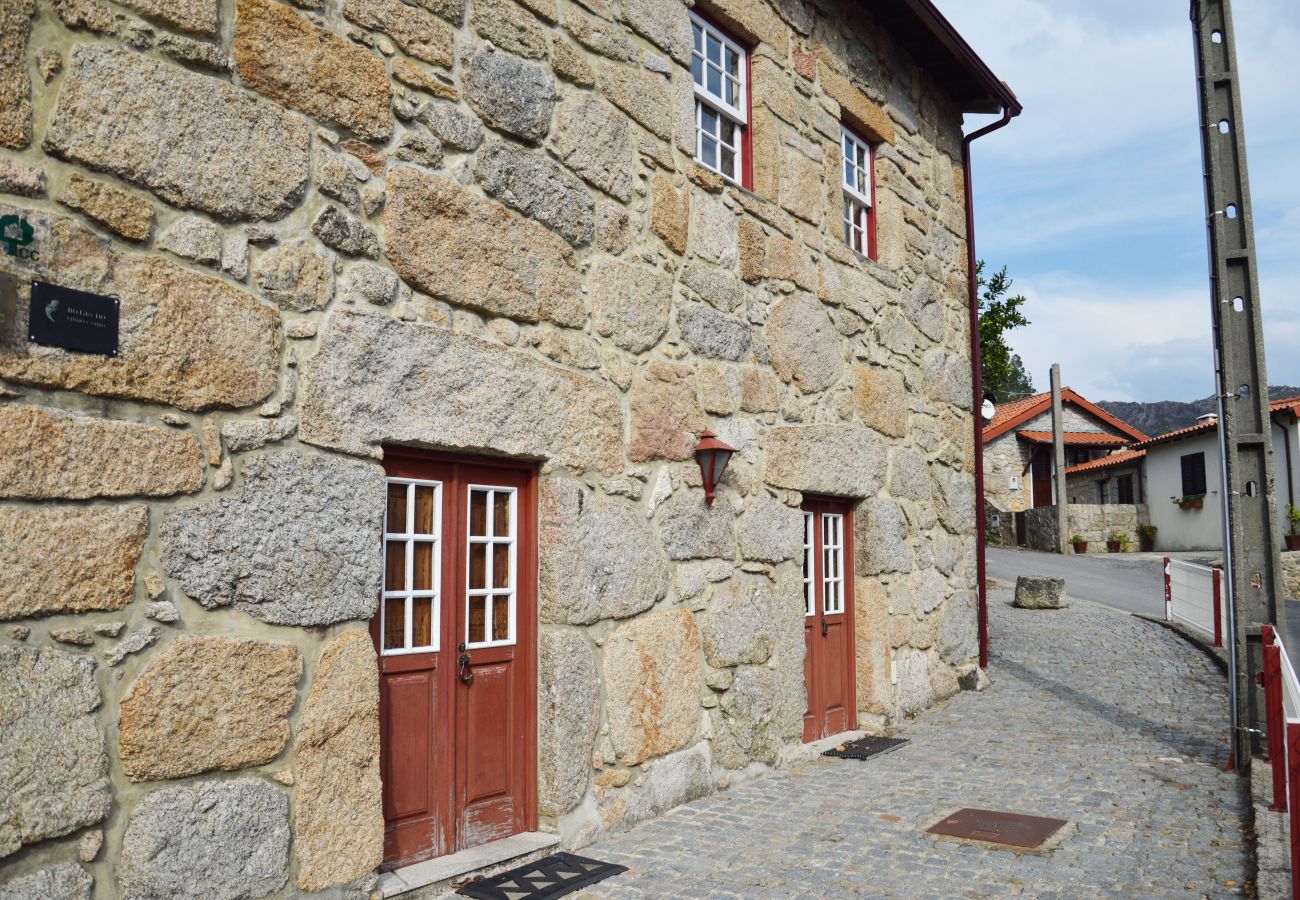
(1001, 370)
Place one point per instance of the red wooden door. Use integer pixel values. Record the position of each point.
(456, 637)
(828, 619)
(1041, 472)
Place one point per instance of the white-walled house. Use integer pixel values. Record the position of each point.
(1186, 463)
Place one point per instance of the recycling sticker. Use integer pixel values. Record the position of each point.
(24, 241)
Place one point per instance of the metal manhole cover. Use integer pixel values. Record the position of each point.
(993, 827)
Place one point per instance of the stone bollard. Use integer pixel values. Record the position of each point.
(1040, 592)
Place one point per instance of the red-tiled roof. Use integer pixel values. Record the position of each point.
(1287, 404)
(1115, 459)
(1017, 412)
(1180, 433)
(1012, 410)
(1095, 438)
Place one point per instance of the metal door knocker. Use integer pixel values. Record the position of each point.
(466, 673)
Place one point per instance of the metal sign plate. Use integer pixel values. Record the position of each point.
(73, 320)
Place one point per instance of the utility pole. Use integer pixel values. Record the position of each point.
(1251, 553)
(1058, 461)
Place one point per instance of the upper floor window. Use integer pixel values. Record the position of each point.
(859, 193)
(720, 69)
(1193, 471)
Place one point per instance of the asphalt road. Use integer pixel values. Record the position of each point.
(1131, 582)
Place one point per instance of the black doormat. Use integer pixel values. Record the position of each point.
(864, 748)
(552, 876)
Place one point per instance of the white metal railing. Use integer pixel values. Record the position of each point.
(1194, 597)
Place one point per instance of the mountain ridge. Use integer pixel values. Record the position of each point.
(1159, 416)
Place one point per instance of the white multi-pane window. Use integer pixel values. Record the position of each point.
(857, 191)
(719, 70)
(832, 564)
(412, 567)
(809, 601)
(490, 568)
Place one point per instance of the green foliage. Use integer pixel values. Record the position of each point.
(1293, 516)
(1078, 539)
(1001, 370)
(1147, 532)
(1121, 538)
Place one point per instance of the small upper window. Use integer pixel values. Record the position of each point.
(720, 70)
(1193, 471)
(859, 192)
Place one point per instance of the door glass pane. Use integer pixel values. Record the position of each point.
(500, 618)
(423, 509)
(477, 620)
(422, 574)
(478, 513)
(501, 565)
(422, 622)
(477, 566)
(397, 508)
(395, 569)
(394, 623)
(501, 514)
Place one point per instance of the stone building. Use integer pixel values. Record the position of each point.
(421, 311)
(1018, 451)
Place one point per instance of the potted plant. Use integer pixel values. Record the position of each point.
(1080, 545)
(1190, 501)
(1116, 542)
(1293, 516)
(1147, 538)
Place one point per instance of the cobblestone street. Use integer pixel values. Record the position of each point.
(1093, 716)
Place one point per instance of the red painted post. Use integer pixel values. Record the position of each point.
(1293, 752)
(1274, 721)
(1218, 607)
(1169, 596)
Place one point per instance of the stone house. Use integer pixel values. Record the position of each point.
(353, 356)
(1018, 450)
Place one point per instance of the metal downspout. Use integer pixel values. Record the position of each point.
(978, 395)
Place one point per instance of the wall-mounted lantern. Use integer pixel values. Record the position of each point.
(712, 455)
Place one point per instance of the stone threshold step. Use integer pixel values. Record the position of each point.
(434, 877)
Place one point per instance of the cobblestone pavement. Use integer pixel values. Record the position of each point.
(1093, 716)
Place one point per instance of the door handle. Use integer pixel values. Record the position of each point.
(825, 627)
(466, 673)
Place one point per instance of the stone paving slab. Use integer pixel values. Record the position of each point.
(1094, 716)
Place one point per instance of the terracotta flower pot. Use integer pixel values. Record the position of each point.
(1293, 541)
(1147, 544)
(1112, 546)
(1198, 504)
(1081, 547)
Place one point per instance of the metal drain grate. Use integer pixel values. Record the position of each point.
(993, 827)
(864, 748)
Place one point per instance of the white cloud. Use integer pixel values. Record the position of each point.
(1093, 197)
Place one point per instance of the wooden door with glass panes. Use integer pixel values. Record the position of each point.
(828, 619)
(456, 637)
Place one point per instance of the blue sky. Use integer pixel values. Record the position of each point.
(1093, 197)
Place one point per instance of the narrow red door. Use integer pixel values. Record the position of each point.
(828, 619)
(1041, 472)
(456, 640)
(495, 695)
(415, 687)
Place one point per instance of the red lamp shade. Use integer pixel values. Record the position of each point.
(712, 455)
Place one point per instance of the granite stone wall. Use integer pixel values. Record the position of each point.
(474, 226)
